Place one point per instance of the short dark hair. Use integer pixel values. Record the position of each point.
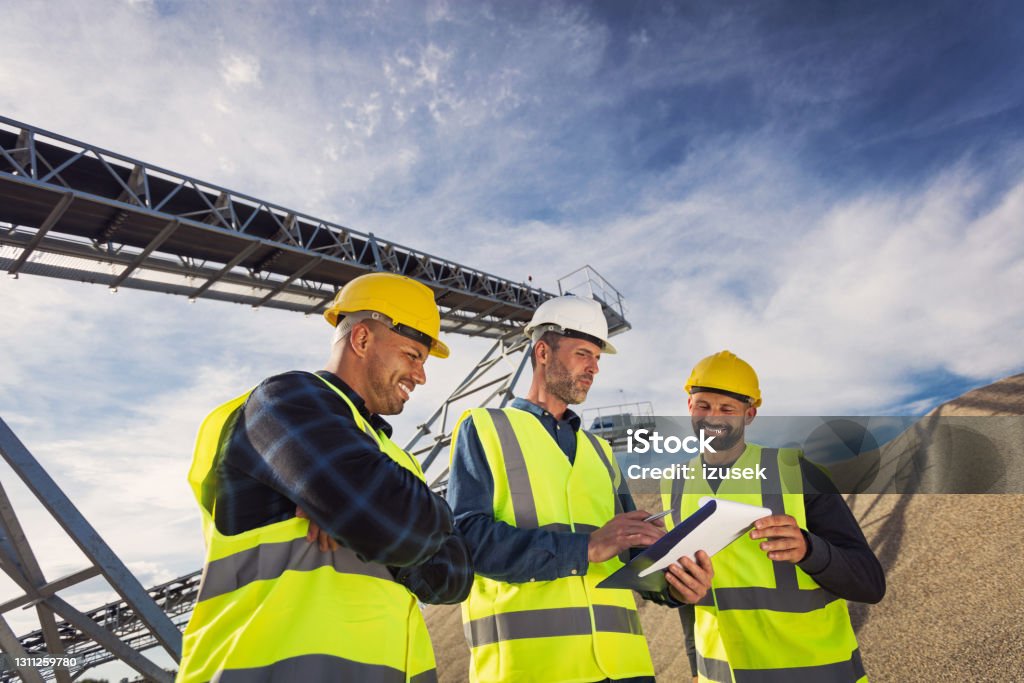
(552, 339)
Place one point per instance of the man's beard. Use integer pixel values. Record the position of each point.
(382, 387)
(721, 442)
(560, 383)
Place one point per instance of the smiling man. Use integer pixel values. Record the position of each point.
(777, 608)
(273, 607)
(538, 501)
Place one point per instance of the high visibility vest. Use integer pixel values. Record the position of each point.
(765, 621)
(273, 607)
(567, 629)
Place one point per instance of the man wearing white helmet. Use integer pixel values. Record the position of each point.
(537, 500)
(777, 608)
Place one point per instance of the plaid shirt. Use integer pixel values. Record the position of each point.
(296, 444)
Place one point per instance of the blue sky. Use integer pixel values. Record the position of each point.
(834, 191)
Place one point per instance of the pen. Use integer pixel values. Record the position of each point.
(658, 515)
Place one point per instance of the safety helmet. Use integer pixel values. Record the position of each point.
(409, 304)
(727, 373)
(571, 316)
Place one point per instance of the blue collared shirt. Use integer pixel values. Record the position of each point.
(500, 551)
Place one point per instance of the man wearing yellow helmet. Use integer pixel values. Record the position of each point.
(538, 501)
(777, 608)
(273, 607)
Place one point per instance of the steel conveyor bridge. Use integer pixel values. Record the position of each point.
(79, 212)
(72, 210)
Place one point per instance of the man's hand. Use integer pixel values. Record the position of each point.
(786, 542)
(625, 530)
(689, 581)
(316, 534)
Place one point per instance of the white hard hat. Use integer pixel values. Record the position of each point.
(571, 316)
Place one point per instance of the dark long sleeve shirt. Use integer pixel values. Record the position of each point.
(838, 556)
(503, 552)
(295, 444)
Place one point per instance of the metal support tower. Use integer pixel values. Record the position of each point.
(497, 373)
(19, 563)
(176, 598)
(74, 211)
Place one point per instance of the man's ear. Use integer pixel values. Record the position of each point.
(751, 414)
(542, 352)
(359, 338)
(689, 404)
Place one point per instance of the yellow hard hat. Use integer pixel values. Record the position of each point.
(726, 372)
(409, 304)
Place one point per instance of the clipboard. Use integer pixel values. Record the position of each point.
(714, 525)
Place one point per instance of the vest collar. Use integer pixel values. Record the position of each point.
(376, 421)
(570, 417)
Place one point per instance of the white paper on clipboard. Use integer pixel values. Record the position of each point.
(728, 521)
(714, 525)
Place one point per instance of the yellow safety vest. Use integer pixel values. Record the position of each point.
(273, 607)
(562, 630)
(765, 621)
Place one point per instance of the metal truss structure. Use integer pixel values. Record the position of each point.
(20, 564)
(175, 598)
(80, 212)
(74, 211)
(497, 374)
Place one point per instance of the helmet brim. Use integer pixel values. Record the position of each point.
(439, 349)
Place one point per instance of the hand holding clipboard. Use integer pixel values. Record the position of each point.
(716, 524)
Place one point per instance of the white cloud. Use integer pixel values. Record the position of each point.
(438, 11)
(842, 305)
(238, 70)
(850, 313)
(432, 61)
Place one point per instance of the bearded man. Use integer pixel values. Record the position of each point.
(539, 503)
(777, 609)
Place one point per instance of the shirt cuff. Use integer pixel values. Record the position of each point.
(572, 555)
(819, 554)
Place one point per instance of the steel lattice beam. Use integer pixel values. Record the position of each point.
(173, 233)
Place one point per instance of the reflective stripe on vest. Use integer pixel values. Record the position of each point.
(270, 560)
(838, 672)
(536, 630)
(321, 668)
(519, 479)
(273, 607)
(544, 623)
(765, 621)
